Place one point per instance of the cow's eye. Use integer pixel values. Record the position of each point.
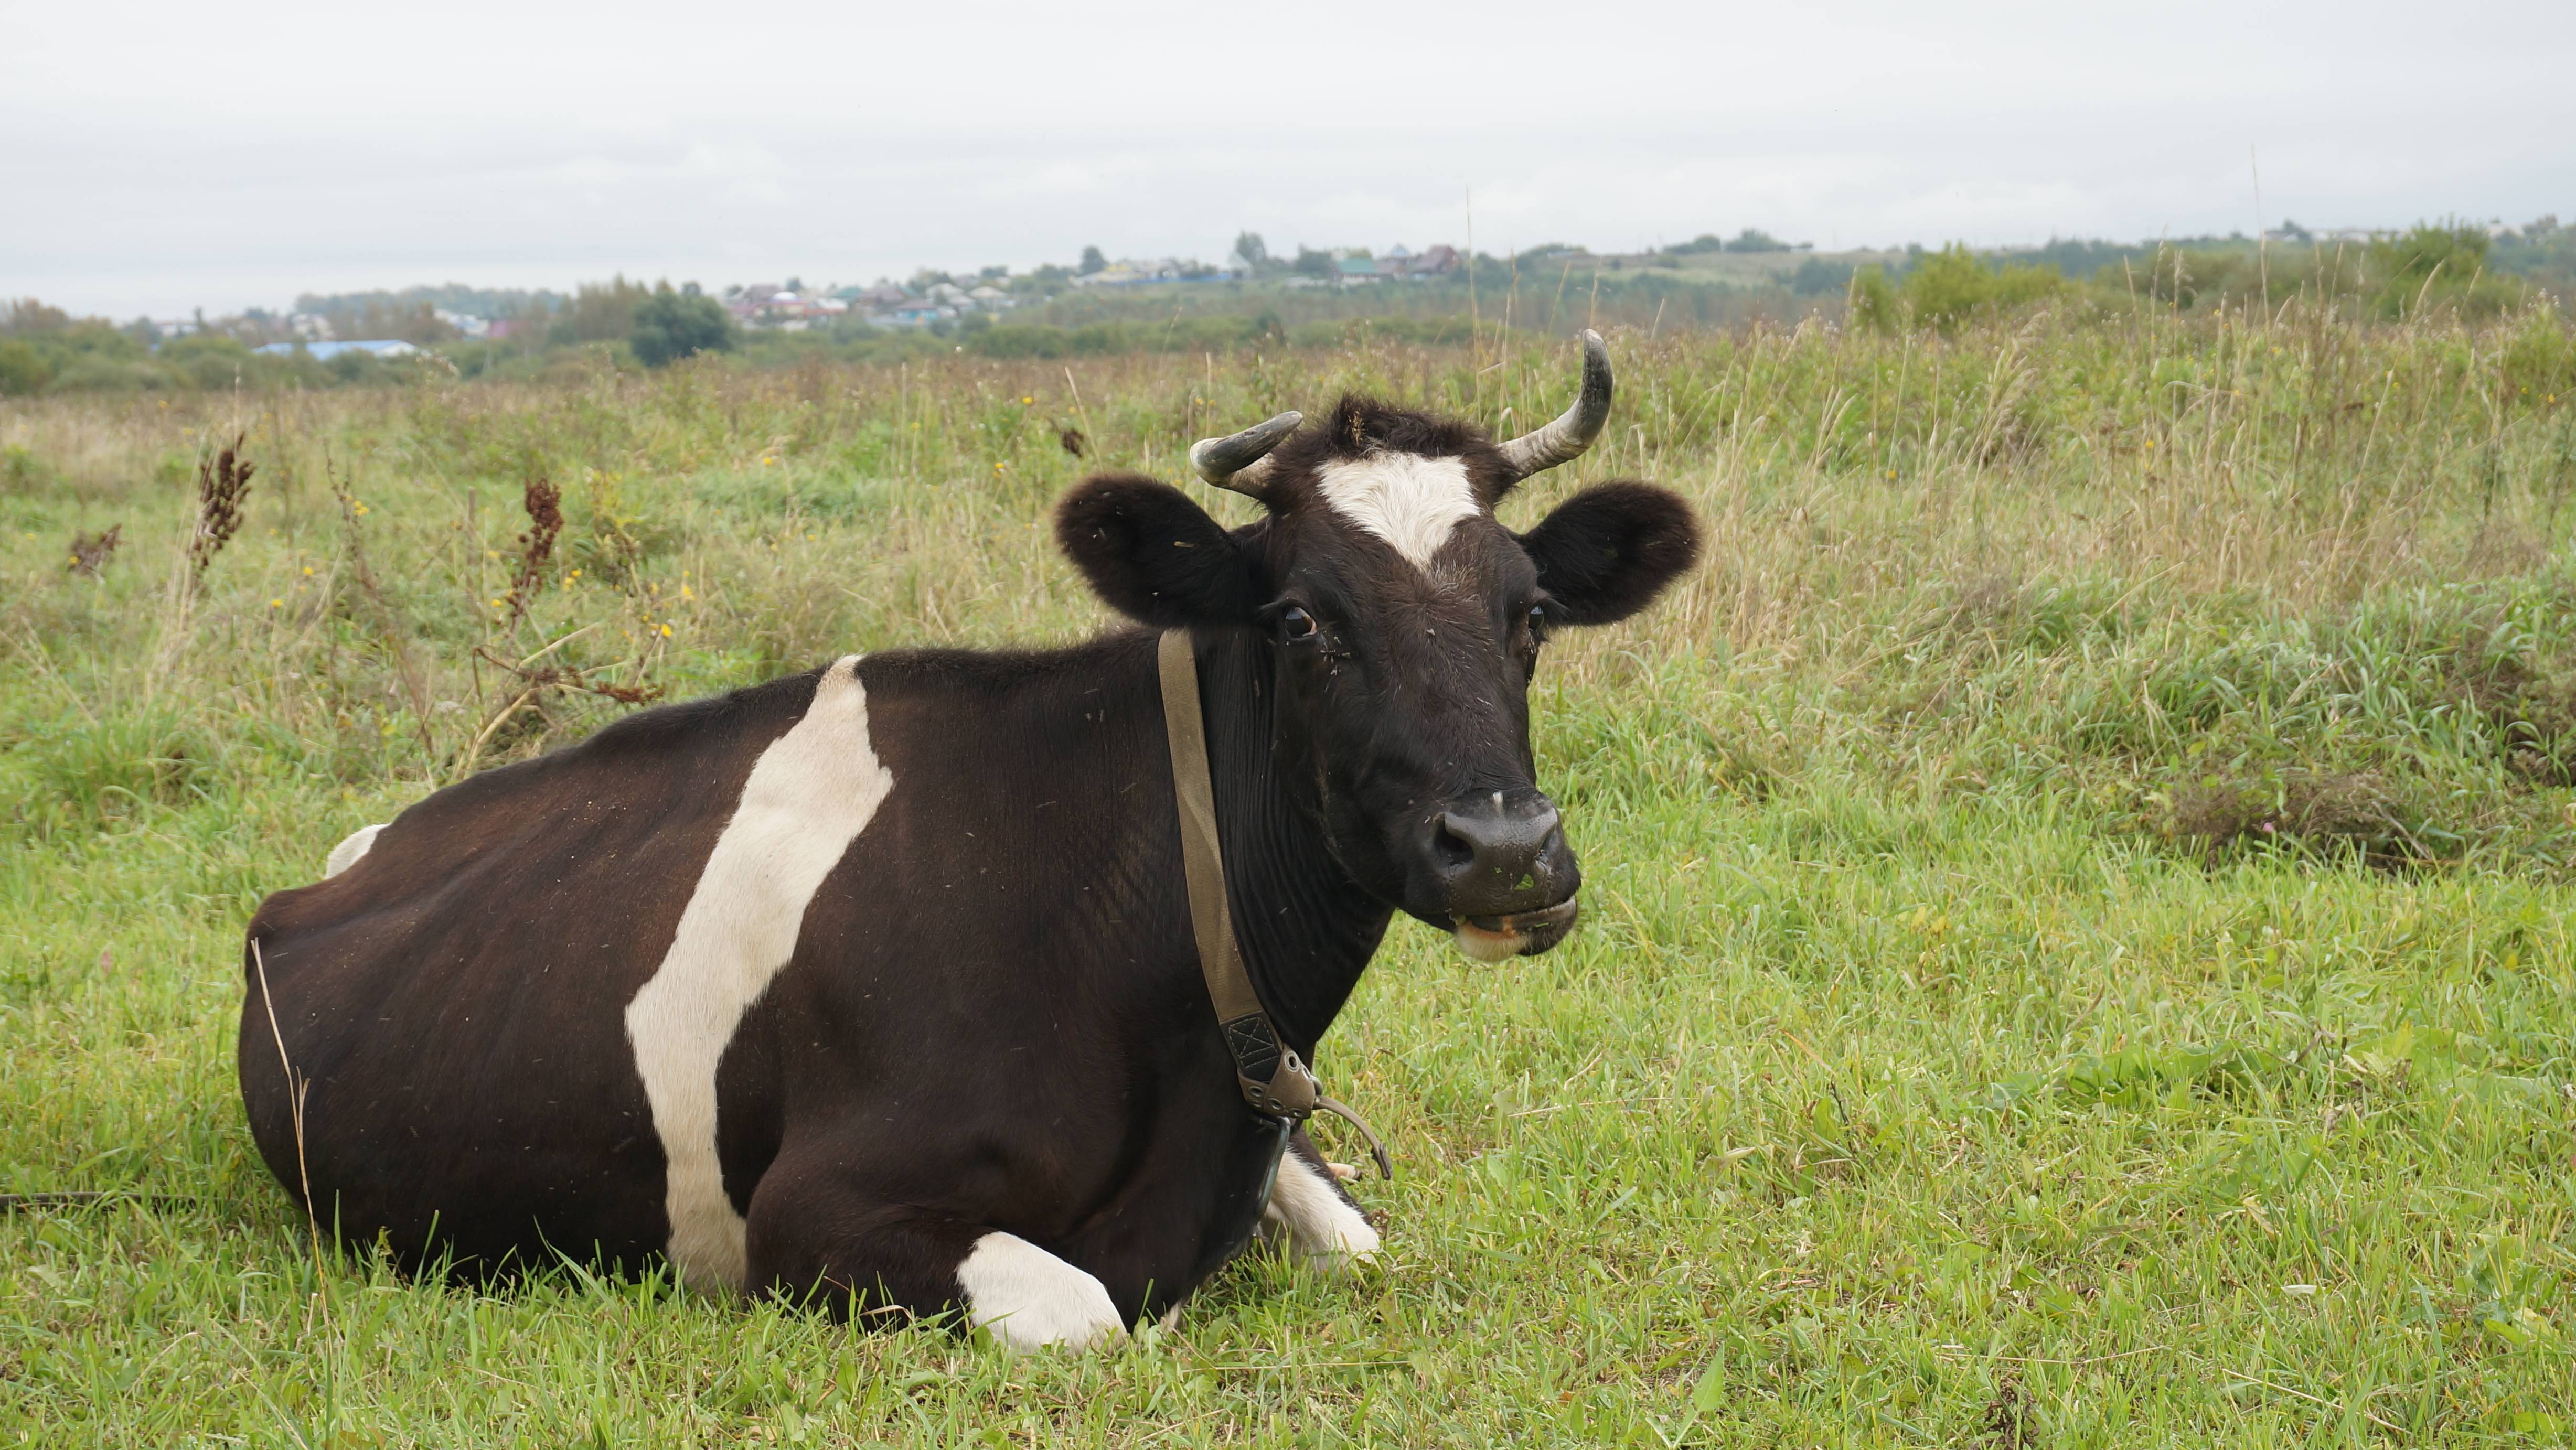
(1538, 621)
(1295, 623)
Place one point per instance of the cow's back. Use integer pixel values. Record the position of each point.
(453, 1002)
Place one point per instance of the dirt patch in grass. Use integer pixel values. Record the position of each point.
(2328, 813)
(2531, 706)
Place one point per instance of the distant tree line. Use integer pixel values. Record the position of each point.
(2451, 266)
(2436, 266)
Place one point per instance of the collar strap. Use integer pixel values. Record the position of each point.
(1274, 1082)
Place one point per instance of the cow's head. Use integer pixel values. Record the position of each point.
(1402, 623)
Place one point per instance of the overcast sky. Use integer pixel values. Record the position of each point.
(162, 156)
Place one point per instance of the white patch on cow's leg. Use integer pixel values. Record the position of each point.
(350, 850)
(809, 795)
(1322, 1226)
(1031, 1299)
(1408, 500)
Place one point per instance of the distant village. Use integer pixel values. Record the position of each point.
(325, 327)
(935, 298)
(399, 324)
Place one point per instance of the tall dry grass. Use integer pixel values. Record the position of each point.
(2155, 486)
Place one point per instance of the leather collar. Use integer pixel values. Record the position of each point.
(1274, 1082)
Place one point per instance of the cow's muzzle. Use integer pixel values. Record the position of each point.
(1504, 874)
(1522, 934)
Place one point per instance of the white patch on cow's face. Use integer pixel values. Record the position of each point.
(1030, 1299)
(1322, 1226)
(1408, 500)
(350, 851)
(809, 796)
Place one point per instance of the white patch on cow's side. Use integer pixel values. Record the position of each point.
(350, 851)
(1322, 1226)
(1031, 1299)
(1408, 500)
(809, 795)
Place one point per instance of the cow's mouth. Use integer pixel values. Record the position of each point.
(1520, 934)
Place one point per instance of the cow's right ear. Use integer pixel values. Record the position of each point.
(1153, 555)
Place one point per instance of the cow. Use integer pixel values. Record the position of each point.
(879, 987)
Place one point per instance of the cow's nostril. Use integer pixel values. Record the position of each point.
(1451, 848)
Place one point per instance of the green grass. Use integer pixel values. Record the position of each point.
(2077, 948)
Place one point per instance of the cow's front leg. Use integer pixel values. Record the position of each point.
(870, 1258)
(1321, 1223)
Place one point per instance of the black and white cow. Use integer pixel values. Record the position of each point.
(878, 983)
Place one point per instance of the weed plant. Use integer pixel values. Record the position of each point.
(2076, 949)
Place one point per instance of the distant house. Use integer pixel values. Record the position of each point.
(913, 312)
(1436, 261)
(1354, 271)
(991, 299)
(1136, 272)
(325, 351)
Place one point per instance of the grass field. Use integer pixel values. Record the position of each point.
(2077, 948)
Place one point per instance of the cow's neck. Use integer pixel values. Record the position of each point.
(1306, 929)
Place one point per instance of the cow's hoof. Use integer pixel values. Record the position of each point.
(1028, 1298)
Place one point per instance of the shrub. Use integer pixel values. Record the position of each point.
(672, 325)
(599, 312)
(1817, 277)
(1949, 286)
(2437, 266)
(1871, 302)
(23, 370)
(207, 361)
(2540, 359)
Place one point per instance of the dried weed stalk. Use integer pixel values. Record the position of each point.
(90, 552)
(389, 620)
(223, 483)
(536, 681)
(544, 503)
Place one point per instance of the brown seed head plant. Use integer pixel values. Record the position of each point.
(544, 503)
(90, 552)
(223, 483)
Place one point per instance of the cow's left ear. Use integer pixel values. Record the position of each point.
(1608, 551)
(1154, 556)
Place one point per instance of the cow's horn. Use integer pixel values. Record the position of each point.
(1240, 460)
(1573, 431)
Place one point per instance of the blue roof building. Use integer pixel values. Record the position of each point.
(325, 351)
